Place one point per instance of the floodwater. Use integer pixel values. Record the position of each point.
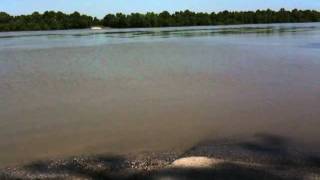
(82, 92)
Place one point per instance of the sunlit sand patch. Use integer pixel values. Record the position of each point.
(196, 162)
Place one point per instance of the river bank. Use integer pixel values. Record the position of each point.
(263, 156)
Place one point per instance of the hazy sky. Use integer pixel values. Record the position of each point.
(101, 7)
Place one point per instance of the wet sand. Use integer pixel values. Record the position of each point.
(263, 156)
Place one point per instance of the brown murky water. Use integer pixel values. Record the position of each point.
(71, 93)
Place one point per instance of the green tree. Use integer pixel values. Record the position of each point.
(165, 19)
(5, 18)
(137, 20)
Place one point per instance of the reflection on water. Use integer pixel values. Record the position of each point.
(66, 93)
(111, 36)
(163, 32)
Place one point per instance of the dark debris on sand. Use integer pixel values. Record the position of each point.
(93, 167)
(264, 157)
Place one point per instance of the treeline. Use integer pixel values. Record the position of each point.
(51, 20)
(189, 18)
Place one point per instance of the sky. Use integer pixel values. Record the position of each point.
(100, 8)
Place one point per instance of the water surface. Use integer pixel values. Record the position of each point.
(79, 92)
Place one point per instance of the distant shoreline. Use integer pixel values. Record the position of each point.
(51, 20)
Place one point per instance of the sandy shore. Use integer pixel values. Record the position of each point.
(262, 157)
